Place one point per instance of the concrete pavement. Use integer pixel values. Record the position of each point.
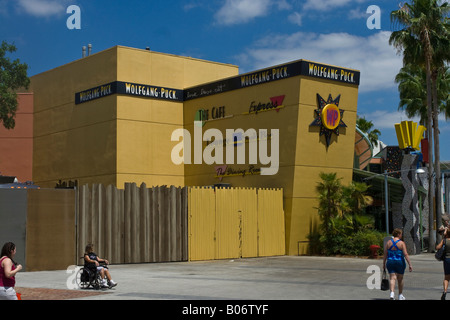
(272, 278)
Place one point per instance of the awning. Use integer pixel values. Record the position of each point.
(395, 186)
(363, 149)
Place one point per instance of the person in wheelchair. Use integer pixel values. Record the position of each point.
(94, 262)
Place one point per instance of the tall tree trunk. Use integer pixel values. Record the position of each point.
(437, 155)
(432, 224)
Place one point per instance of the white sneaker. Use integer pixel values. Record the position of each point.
(392, 296)
(112, 284)
(401, 297)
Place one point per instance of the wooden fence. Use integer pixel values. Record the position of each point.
(163, 224)
(140, 224)
(134, 225)
(41, 222)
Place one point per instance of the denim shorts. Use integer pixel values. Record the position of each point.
(396, 266)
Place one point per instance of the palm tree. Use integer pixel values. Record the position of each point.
(423, 40)
(330, 193)
(412, 88)
(413, 96)
(444, 90)
(341, 211)
(414, 41)
(366, 127)
(441, 46)
(355, 199)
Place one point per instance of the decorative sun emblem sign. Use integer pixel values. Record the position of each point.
(328, 117)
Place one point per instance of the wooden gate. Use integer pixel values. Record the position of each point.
(235, 222)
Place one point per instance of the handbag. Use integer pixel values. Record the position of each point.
(384, 282)
(440, 254)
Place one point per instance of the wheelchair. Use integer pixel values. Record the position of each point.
(87, 277)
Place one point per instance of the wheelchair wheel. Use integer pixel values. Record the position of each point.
(83, 278)
(95, 281)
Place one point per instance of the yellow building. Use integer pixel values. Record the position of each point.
(129, 115)
(85, 131)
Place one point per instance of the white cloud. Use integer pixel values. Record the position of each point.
(325, 5)
(373, 56)
(295, 18)
(383, 119)
(243, 11)
(283, 5)
(44, 8)
(357, 14)
(386, 120)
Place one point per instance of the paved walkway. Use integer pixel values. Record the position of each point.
(273, 278)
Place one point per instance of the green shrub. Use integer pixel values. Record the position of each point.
(345, 228)
(364, 239)
(356, 245)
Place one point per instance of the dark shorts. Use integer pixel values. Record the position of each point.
(396, 266)
(447, 266)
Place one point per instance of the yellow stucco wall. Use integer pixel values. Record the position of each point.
(313, 157)
(145, 126)
(303, 152)
(237, 104)
(74, 142)
(117, 138)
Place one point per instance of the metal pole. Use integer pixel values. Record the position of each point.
(420, 214)
(386, 201)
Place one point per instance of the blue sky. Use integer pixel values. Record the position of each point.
(252, 34)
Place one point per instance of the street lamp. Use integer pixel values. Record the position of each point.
(386, 200)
